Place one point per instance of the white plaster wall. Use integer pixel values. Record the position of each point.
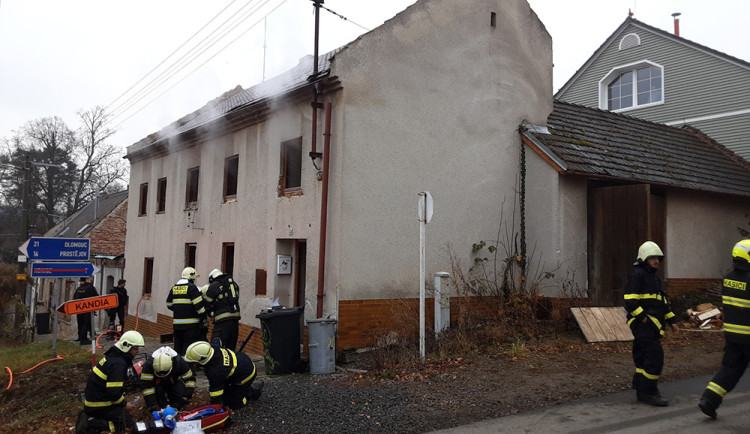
(701, 231)
(432, 102)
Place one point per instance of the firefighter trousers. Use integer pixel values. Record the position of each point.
(733, 365)
(648, 356)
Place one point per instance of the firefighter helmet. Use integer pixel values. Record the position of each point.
(162, 365)
(129, 339)
(741, 252)
(189, 273)
(199, 352)
(647, 250)
(214, 274)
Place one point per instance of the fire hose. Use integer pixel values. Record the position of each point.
(10, 373)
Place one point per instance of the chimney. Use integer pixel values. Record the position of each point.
(676, 23)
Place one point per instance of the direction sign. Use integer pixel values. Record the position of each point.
(90, 304)
(62, 269)
(58, 249)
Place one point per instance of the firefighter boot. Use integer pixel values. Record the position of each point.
(655, 400)
(82, 424)
(707, 408)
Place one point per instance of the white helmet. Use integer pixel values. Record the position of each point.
(199, 352)
(130, 339)
(189, 273)
(214, 274)
(162, 365)
(647, 250)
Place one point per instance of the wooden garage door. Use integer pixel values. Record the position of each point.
(620, 219)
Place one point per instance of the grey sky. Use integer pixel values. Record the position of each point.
(59, 57)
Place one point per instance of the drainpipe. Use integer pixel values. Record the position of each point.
(315, 104)
(324, 210)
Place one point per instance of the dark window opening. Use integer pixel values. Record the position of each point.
(227, 258)
(161, 196)
(191, 197)
(148, 275)
(291, 166)
(143, 202)
(260, 281)
(190, 249)
(493, 19)
(231, 169)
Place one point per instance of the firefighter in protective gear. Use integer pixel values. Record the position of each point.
(648, 308)
(736, 301)
(185, 300)
(167, 379)
(104, 407)
(222, 303)
(230, 375)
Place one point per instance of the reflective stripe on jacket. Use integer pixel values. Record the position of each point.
(186, 303)
(736, 301)
(104, 387)
(645, 299)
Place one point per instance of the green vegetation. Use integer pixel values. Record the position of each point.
(21, 358)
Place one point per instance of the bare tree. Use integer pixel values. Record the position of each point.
(101, 165)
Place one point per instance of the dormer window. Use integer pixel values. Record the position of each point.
(632, 86)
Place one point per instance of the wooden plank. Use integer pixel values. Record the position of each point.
(616, 317)
(602, 324)
(583, 324)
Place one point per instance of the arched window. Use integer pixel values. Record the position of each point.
(632, 86)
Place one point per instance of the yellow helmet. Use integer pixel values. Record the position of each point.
(190, 273)
(162, 365)
(741, 251)
(199, 352)
(647, 250)
(129, 339)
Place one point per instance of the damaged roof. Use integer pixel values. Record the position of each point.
(596, 143)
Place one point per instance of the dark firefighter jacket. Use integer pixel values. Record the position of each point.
(736, 300)
(227, 368)
(645, 299)
(84, 291)
(104, 387)
(222, 298)
(186, 301)
(180, 371)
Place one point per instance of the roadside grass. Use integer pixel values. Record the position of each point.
(23, 357)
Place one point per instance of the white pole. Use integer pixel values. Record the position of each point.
(422, 222)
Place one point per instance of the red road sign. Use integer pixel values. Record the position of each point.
(90, 304)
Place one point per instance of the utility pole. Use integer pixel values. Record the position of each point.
(26, 190)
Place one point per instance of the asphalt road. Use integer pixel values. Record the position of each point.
(621, 413)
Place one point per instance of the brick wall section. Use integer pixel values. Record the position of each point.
(362, 322)
(108, 236)
(163, 325)
(681, 286)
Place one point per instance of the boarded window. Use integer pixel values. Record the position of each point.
(191, 195)
(143, 201)
(291, 167)
(260, 282)
(161, 196)
(231, 168)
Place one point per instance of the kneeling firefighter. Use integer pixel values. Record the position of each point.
(167, 379)
(230, 375)
(104, 407)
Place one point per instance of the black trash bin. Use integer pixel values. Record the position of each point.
(42, 323)
(280, 329)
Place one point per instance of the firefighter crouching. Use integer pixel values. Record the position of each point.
(222, 299)
(230, 375)
(736, 302)
(189, 322)
(648, 308)
(166, 379)
(104, 407)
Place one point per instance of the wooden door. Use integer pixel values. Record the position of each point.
(620, 219)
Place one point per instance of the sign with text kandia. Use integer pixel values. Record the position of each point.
(90, 304)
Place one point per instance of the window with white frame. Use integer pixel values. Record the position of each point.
(632, 86)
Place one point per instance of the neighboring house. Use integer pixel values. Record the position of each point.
(103, 222)
(659, 76)
(607, 182)
(429, 101)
